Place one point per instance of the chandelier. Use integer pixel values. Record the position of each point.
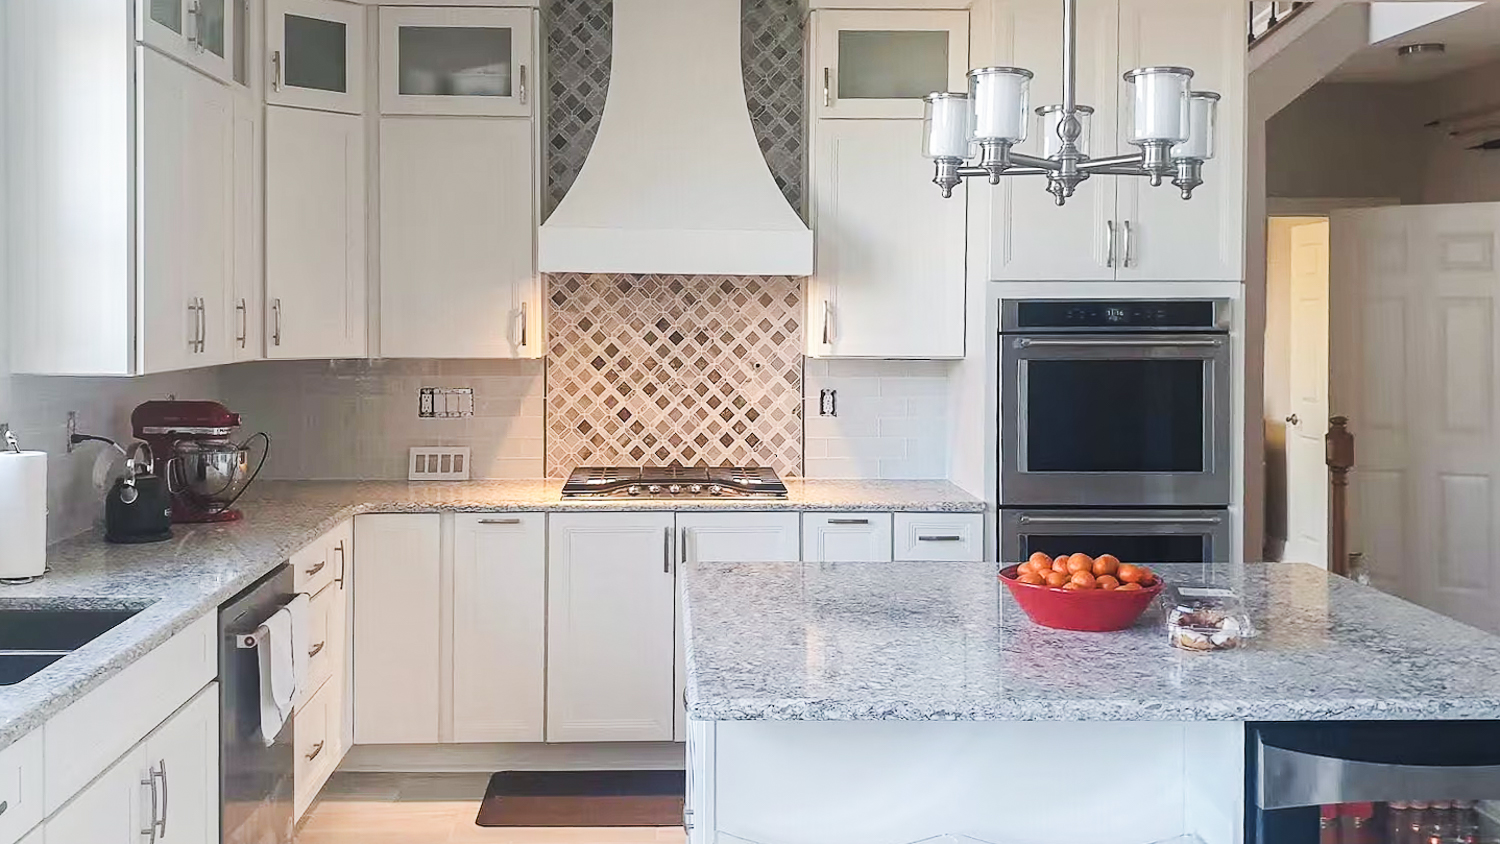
(973, 134)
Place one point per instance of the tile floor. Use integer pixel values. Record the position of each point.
(435, 809)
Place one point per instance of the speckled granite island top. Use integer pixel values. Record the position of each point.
(945, 641)
(179, 581)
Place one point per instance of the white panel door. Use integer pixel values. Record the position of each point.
(316, 50)
(889, 275)
(726, 538)
(184, 752)
(457, 61)
(609, 627)
(457, 235)
(248, 241)
(315, 234)
(1306, 458)
(1164, 237)
(113, 809)
(397, 620)
(846, 537)
(167, 315)
(881, 63)
(1031, 238)
(499, 626)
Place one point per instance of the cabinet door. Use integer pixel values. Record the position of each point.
(184, 754)
(208, 245)
(726, 538)
(397, 615)
(889, 276)
(499, 626)
(167, 313)
(113, 809)
(248, 241)
(457, 229)
(882, 63)
(317, 54)
(196, 32)
(609, 627)
(315, 234)
(1031, 238)
(846, 537)
(1167, 237)
(456, 61)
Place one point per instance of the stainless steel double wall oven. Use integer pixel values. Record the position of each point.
(1115, 428)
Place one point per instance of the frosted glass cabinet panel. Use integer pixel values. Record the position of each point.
(456, 61)
(317, 54)
(195, 32)
(882, 63)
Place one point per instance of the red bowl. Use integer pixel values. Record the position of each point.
(1092, 610)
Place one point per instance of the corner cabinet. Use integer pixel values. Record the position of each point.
(459, 184)
(1119, 227)
(889, 266)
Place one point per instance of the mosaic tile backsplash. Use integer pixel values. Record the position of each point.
(578, 60)
(685, 370)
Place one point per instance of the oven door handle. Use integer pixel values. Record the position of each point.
(1207, 342)
(1121, 520)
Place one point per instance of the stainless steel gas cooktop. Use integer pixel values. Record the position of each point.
(673, 481)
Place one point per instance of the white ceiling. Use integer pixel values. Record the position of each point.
(1473, 39)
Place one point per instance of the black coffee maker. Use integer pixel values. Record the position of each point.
(138, 508)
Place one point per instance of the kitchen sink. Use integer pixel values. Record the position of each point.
(32, 639)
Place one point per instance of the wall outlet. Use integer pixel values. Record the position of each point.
(438, 463)
(828, 403)
(445, 402)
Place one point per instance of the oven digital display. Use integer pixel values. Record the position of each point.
(1114, 415)
(1151, 549)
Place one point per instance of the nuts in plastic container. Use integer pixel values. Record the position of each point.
(1207, 619)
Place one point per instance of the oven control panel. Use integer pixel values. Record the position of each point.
(1123, 315)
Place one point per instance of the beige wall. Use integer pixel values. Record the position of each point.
(1346, 140)
(1454, 173)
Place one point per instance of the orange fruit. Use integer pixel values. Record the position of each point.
(1130, 574)
(1040, 558)
(1129, 587)
(1148, 577)
(1083, 579)
(1031, 577)
(1060, 564)
(1106, 564)
(1073, 587)
(1080, 562)
(1057, 578)
(1107, 582)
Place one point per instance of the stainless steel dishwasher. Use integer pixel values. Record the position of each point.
(255, 781)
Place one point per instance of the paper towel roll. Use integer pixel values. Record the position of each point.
(23, 513)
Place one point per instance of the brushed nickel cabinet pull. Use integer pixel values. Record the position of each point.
(164, 792)
(848, 521)
(276, 322)
(317, 748)
(316, 649)
(827, 322)
(275, 70)
(947, 538)
(1109, 256)
(343, 563)
(244, 311)
(1129, 245)
(827, 87)
(666, 551)
(315, 569)
(522, 90)
(499, 521)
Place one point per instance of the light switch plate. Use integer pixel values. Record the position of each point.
(438, 463)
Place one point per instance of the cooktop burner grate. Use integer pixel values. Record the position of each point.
(673, 481)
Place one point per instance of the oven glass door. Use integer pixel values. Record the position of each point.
(1135, 536)
(1105, 419)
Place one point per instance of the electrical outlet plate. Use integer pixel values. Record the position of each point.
(438, 463)
(445, 402)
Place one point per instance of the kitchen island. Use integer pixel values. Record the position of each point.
(880, 703)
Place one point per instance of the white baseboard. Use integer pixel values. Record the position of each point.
(489, 758)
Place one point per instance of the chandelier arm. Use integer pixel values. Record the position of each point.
(1094, 165)
(981, 173)
(1119, 171)
(1033, 162)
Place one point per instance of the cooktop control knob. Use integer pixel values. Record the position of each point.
(654, 489)
(715, 489)
(674, 489)
(635, 489)
(696, 489)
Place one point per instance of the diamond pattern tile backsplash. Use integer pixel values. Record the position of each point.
(686, 370)
(579, 36)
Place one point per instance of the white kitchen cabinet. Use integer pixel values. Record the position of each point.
(315, 740)
(315, 234)
(1119, 227)
(889, 264)
(316, 50)
(458, 217)
(21, 778)
(940, 537)
(248, 238)
(199, 33)
(457, 61)
(846, 537)
(610, 632)
(186, 150)
(111, 810)
(499, 626)
(881, 63)
(397, 618)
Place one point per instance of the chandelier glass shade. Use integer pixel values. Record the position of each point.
(973, 134)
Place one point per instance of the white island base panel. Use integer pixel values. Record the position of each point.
(1001, 782)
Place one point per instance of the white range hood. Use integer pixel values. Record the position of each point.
(675, 182)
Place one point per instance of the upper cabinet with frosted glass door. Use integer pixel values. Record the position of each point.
(872, 63)
(317, 51)
(197, 32)
(456, 61)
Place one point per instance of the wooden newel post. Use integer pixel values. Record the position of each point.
(1340, 459)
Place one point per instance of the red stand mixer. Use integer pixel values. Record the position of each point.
(206, 470)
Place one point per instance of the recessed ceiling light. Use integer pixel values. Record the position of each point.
(1432, 48)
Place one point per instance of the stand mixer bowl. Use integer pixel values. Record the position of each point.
(213, 472)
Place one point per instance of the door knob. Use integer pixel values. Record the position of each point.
(1293, 420)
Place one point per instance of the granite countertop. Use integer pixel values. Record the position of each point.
(945, 641)
(175, 583)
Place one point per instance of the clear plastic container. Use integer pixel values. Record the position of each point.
(1202, 618)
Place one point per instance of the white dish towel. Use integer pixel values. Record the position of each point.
(282, 655)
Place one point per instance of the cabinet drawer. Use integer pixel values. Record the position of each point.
(85, 738)
(939, 536)
(320, 639)
(312, 569)
(846, 537)
(20, 787)
(316, 746)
